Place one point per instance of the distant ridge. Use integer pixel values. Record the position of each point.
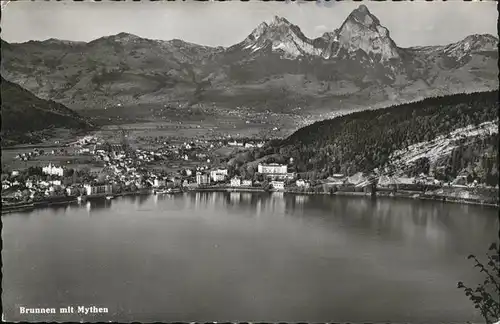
(275, 68)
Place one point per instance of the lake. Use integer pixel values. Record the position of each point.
(246, 257)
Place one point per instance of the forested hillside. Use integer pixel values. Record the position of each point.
(23, 112)
(366, 140)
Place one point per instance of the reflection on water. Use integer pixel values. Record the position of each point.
(300, 200)
(142, 199)
(234, 197)
(391, 218)
(261, 257)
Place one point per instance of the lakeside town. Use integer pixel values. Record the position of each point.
(117, 169)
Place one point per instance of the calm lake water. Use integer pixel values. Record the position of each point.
(246, 257)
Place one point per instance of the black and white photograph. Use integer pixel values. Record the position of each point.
(250, 161)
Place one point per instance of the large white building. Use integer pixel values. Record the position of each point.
(97, 189)
(273, 168)
(275, 171)
(235, 182)
(218, 175)
(202, 178)
(53, 170)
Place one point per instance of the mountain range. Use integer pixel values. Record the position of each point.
(275, 68)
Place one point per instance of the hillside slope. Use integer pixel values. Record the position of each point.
(452, 134)
(23, 112)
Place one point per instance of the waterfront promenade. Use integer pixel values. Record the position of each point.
(450, 196)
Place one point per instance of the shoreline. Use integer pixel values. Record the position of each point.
(416, 195)
(402, 194)
(6, 209)
(12, 208)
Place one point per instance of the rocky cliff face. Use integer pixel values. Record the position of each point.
(276, 67)
(360, 31)
(280, 36)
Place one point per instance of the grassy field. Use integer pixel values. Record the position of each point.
(193, 121)
(40, 161)
(149, 128)
(224, 151)
(175, 131)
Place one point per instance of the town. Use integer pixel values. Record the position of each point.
(117, 169)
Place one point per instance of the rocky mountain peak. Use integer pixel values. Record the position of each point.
(278, 25)
(360, 31)
(281, 36)
(125, 36)
(481, 41)
(122, 38)
(363, 16)
(363, 31)
(277, 21)
(259, 31)
(471, 44)
(358, 57)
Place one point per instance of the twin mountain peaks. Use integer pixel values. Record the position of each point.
(360, 31)
(276, 67)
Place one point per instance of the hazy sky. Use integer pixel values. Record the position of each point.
(227, 23)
